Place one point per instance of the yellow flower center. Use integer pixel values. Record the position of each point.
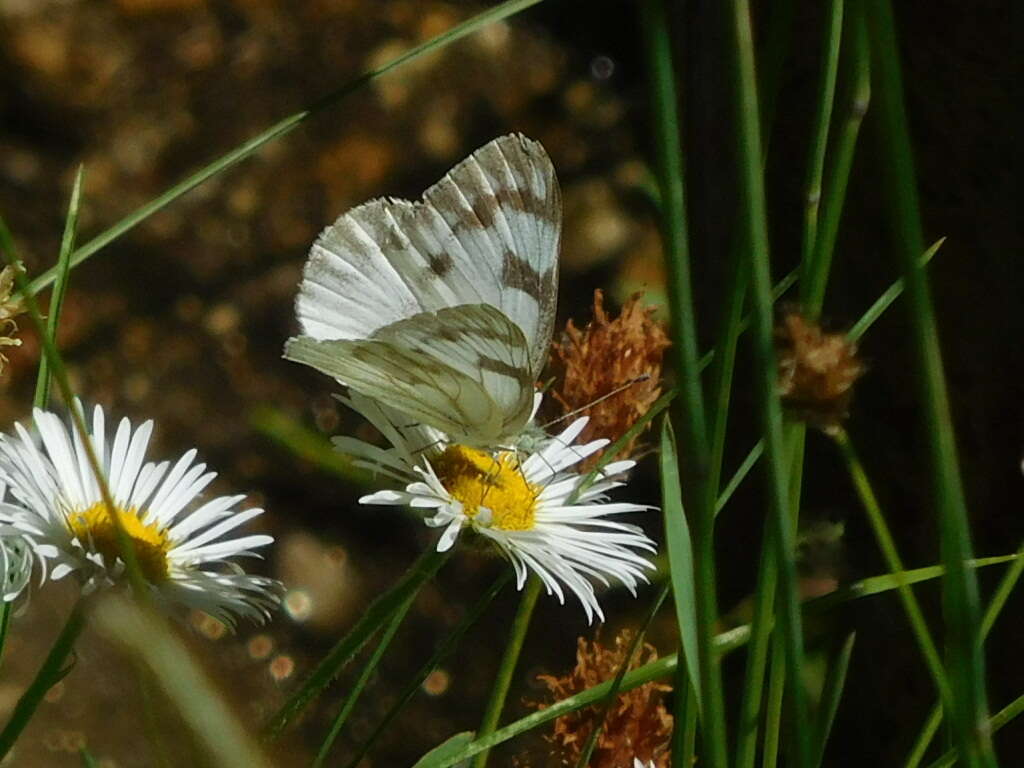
(96, 530)
(478, 479)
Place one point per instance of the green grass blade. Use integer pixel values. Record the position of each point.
(441, 754)
(680, 557)
(876, 585)
(445, 649)
(67, 245)
(394, 622)
(725, 643)
(819, 244)
(509, 661)
(819, 136)
(60, 374)
(832, 694)
(1002, 717)
(613, 691)
(960, 588)
(688, 410)
(885, 301)
(755, 232)
(50, 673)
(307, 444)
(379, 611)
(88, 761)
(995, 607)
(739, 475)
(887, 545)
(282, 128)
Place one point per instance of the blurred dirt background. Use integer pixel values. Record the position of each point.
(182, 320)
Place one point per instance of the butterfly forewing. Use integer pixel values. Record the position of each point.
(487, 233)
(446, 299)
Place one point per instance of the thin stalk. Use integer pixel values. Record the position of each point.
(67, 245)
(818, 252)
(688, 409)
(819, 134)
(449, 644)
(5, 625)
(755, 231)
(59, 372)
(49, 674)
(613, 692)
(961, 603)
(895, 563)
(995, 607)
(364, 677)
(283, 128)
(503, 680)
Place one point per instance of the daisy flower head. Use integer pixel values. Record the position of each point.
(182, 547)
(529, 503)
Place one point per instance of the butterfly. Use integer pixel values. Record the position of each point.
(442, 309)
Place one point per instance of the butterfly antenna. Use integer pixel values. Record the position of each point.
(613, 393)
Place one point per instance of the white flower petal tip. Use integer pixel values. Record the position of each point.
(185, 549)
(532, 507)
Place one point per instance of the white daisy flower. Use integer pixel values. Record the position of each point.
(180, 546)
(528, 503)
(16, 557)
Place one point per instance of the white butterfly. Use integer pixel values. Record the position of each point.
(442, 309)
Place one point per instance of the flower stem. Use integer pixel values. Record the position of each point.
(50, 673)
(509, 660)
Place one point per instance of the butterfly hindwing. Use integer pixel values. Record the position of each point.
(480, 342)
(408, 381)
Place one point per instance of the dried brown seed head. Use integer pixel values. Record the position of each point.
(637, 724)
(817, 370)
(604, 356)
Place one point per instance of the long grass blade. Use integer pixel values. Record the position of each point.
(995, 607)
(755, 233)
(725, 643)
(60, 374)
(688, 410)
(1006, 715)
(52, 671)
(67, 245)
(832, 694)
(820, 238)
(960, 588)
(680, 558)
(364, 677)
(613, 691)
(380, 611)
(819, 138)
(282, 128)
(509, 661)
(445, 649)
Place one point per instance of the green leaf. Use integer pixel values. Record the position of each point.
(680, 555)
